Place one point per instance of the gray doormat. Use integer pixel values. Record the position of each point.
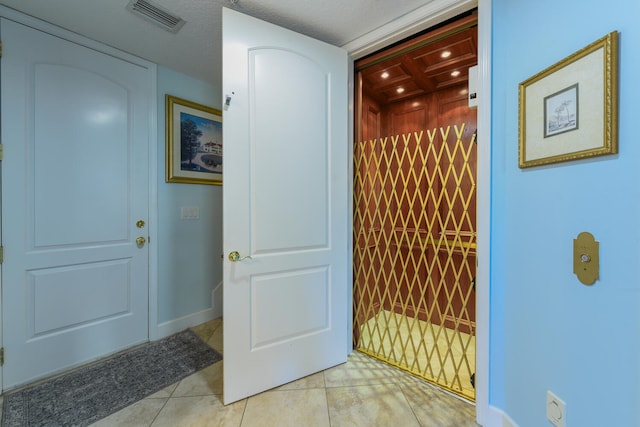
(89, 394)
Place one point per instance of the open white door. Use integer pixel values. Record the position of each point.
(286, 206)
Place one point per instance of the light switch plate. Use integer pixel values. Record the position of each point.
(190, 212)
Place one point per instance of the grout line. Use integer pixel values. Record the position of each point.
(326, 393)
(167, 401)
(409, 403)
(244, 411)
(158, 414)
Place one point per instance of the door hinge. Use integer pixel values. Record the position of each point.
(0, 48)
(1, 254)
(1, 151)
(2, 356)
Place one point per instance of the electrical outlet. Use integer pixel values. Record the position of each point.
(555, 410)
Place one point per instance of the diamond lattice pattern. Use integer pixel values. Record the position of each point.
(414, 253)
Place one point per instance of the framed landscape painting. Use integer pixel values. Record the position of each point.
(194, 142)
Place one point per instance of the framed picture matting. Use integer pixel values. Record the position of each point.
(569, 111)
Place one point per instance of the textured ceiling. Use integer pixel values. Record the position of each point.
(196, 50)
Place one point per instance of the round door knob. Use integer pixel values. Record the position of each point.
(140, 241)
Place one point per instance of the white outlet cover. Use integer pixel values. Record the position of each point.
(556, 412)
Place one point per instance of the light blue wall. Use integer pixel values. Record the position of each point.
(189, 264)
(549, 331)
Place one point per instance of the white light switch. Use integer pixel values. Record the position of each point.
(190, 212)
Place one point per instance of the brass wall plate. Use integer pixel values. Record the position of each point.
(586, 258)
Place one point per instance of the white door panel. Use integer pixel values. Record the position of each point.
(75, 129)
(99, 290)
(285, 205)
(297, 148)
(80, 126)
(275, 319)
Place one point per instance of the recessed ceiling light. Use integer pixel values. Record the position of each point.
(384, 75)
(445, 54)
(455, 73)
(400, 90)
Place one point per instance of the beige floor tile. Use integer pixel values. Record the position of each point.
(311, 381)
(369, 405)
(206, 330)
(215, 340)
(360, 370)
(204, 382)
(140, 414)
(287, 408)
(199, 411)
(435, 408)
(165, 392)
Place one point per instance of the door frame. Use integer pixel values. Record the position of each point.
(64, 34)
(408, 25)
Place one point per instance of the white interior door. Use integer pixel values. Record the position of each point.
(286, 206)
(75, 130)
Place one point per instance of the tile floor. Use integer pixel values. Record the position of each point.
(361, 392)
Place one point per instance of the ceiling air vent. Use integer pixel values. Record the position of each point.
(155, 14)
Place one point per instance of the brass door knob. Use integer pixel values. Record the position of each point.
(140, 241)
(235, 256)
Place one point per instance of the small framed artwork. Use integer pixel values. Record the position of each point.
(194, 142)
(569, 111)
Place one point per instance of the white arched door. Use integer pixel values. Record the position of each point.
(286, 206)
(75, 177)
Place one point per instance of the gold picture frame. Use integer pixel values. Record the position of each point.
(569, 111)
(194, 142)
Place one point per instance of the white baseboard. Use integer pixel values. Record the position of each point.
(498, 418)
(173, 326)
(507, 421)
(216, 301)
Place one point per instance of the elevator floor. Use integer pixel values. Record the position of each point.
(438, 354)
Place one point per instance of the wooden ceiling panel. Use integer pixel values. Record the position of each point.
(407, 89)
(396, 73)
(462, 52)
(419, 65)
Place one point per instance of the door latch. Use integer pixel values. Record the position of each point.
(235, 257)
